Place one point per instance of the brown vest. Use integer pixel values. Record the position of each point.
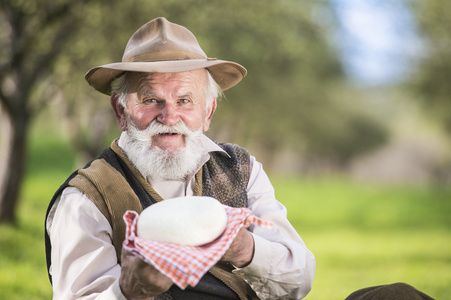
(112, 177)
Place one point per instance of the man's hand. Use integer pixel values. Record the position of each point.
(241, 251)
(140, 280)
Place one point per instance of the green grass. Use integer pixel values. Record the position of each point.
(364, 235)
(361, 235)
(23, 273)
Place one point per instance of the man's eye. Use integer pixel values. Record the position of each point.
(150, 100)
(184, 101)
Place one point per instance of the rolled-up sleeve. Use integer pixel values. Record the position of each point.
(282, 267)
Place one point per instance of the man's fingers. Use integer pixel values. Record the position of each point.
(140, 280)
(241, 250)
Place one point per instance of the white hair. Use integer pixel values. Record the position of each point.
(154, 162)
(120, 86)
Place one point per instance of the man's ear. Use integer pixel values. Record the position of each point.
(209, 114)
(119, 112)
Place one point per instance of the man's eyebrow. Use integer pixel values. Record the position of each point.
(146, 92)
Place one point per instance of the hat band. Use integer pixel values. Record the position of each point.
(165, 56)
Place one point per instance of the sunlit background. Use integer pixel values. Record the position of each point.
(346, 104)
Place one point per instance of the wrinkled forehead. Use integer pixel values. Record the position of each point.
(191, 81)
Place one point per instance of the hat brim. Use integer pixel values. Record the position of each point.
(225, 73)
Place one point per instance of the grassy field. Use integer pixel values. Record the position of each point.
(362, 235)
(366, 235)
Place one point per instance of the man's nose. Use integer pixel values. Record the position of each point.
(169, 114)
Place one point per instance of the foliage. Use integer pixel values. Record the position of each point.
(288, 100)
(32, 35)
(294, 74)
(430, 82)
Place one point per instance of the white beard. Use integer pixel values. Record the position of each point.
(156, 163)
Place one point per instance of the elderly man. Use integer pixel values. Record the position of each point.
(163, 94)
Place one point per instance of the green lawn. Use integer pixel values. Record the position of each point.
(364, 235)
(361, 235)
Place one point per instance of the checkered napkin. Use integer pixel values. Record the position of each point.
(186, 265)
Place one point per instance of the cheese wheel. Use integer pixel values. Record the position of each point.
(190, 221)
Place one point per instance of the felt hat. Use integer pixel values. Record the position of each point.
(164, 47)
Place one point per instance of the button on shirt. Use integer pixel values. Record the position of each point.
(84, 263)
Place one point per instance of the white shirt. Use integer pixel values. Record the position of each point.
(84, 263)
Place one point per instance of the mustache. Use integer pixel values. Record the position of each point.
(157, 128)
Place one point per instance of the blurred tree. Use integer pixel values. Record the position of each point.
(284, 102)
(291, 98)
(31, 37)
(431, 81)
(287, 54)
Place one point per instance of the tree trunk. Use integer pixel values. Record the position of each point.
(12, 163)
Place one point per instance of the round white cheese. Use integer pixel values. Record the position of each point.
(191, 221)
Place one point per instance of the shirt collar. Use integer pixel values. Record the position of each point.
(211, 146)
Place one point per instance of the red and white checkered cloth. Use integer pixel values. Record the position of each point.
(186, 265)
